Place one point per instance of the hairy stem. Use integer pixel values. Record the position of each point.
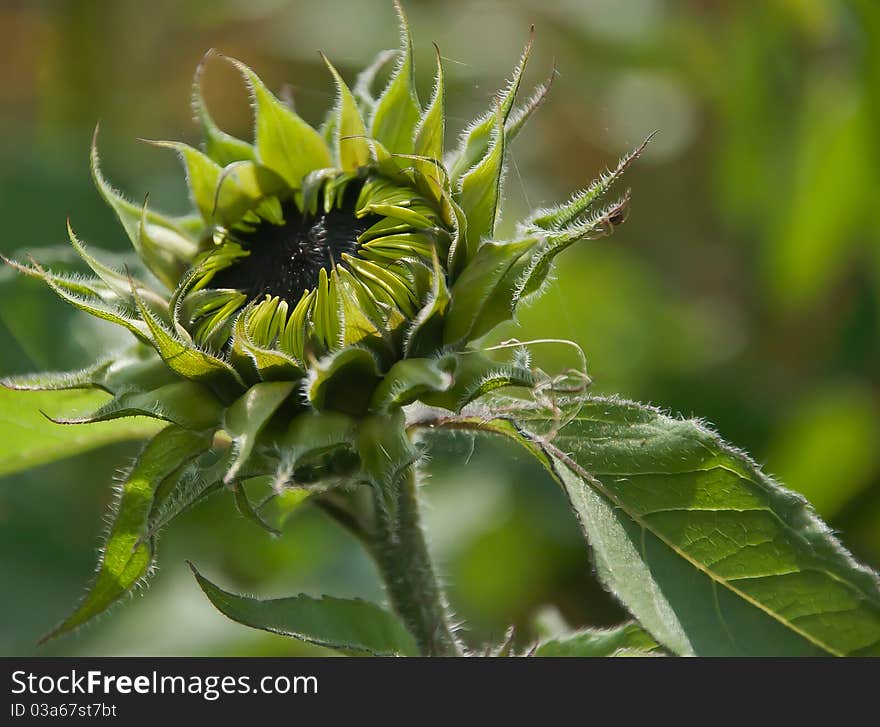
(402, 556)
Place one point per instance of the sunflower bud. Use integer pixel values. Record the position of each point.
(324, 279)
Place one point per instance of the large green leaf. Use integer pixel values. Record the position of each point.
(709, 553)
(337, 623)
(127, 553)
(28, 438)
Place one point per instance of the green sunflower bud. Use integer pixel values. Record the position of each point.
(324, 280)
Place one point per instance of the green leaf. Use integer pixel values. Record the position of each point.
(28, 438)
(198, 480)
(336, 623)
(385, 284)
(353, 149)
(126, 556)
(709, 554)
(397, 110)
(628, 639)
(284, 142)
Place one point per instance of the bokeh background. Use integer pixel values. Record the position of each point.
(745, 287)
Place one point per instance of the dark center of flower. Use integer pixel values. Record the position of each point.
(285, 260)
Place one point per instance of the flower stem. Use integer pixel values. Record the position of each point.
(405, 564)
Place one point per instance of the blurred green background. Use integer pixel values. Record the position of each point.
(745, 287)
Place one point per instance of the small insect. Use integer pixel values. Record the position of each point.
(616, 214)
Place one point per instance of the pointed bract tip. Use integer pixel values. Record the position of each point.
(210, 53)
(327, 62)
(644, 145)
(200, 69)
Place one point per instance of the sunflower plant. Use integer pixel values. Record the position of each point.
(324, 309)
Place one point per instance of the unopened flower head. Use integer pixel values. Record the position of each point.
(326, 278)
